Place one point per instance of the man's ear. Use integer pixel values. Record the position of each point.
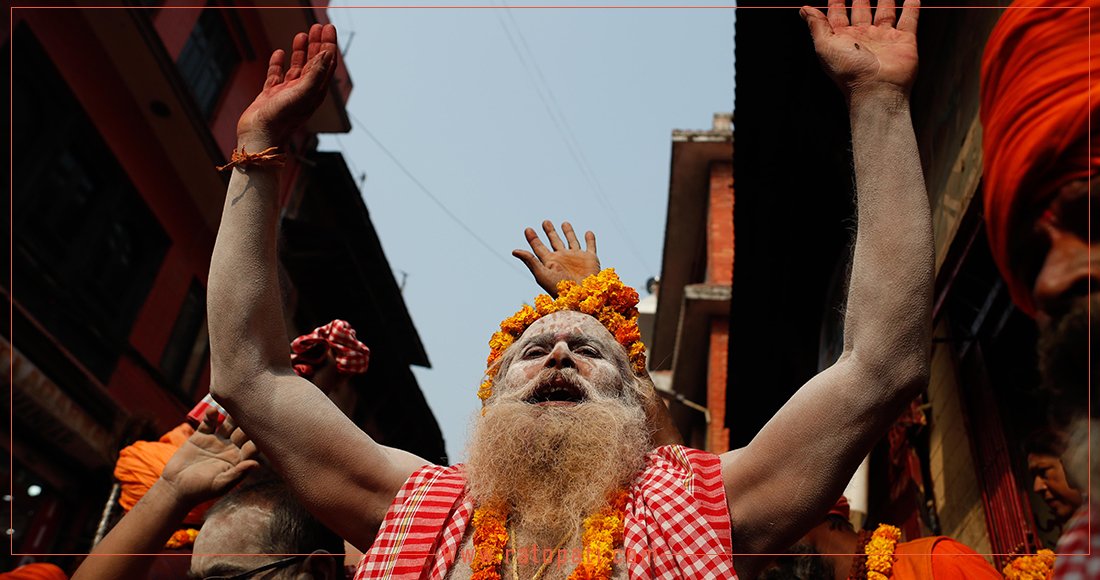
(323, 565)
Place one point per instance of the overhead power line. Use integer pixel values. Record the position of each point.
(561, 124)
(511, 264)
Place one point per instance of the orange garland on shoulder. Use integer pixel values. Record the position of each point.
(269, 157)
(603, 296)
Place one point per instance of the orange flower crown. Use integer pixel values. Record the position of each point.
(602, 296)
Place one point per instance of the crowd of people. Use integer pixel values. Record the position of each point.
(574, 468)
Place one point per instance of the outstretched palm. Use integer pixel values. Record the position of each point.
(287, 101)
(565, 261)
(866, 54)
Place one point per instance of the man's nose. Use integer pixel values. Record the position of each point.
(560, 357)
(1066, 274)
(1039, 486)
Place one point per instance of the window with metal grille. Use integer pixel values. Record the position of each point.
(208, 59)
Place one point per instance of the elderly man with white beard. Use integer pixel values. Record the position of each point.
(563, 479)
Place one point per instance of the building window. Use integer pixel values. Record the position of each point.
(209, 59)
(183, 359)
(85, 247)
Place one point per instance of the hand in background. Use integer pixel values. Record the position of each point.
(210, 462)
(561, 261)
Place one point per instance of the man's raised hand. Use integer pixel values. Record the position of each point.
(211, 461)
(562, 261)
(287, 100)
(866, 55)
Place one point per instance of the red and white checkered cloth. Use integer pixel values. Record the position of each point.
(308, 351)
(677, 524)
(1078, 551)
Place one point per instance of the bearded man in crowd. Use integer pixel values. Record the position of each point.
(1041, 157)
(560, 462)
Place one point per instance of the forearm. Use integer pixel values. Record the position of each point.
(887, 325)
(247, 333)
(142, 531)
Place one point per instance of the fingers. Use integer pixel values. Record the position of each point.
(209, 421)
(533, 264)
(570, 236)
(910, 11)
(314, 41)
(818, 23)
(552, 235)
(239, 438)
(861, 12)
(297, 56)
(838, 14)
(249, 450)
(884, 13)
(536, 244)
(590, 242)
(275, 69)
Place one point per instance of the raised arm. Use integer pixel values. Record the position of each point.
(207, 465)
(785, 479)
(344, 477)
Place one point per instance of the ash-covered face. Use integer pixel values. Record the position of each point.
(562, 360)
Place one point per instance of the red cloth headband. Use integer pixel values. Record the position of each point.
(308, 351)
(1035, 105)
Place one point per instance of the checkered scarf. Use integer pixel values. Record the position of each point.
(677, 523)
(1074, 561)
(308, 351)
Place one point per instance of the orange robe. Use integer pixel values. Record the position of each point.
(940, 558)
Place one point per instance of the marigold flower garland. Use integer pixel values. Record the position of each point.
(602, 296)
(182, 538)
(603, 533)
(877, 561)
(1038, 566)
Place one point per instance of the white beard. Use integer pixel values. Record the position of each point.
(553, 466)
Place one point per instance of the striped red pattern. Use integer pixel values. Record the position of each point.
(1077, 548)
(677, 524)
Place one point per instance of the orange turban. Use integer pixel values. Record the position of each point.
(139, 467)
(35, 571)
(1035, 106)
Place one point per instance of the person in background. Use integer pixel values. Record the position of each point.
(1040, 156)
(833, 550)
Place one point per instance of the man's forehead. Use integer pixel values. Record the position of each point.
(566, 322)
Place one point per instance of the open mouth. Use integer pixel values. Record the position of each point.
(556, 392)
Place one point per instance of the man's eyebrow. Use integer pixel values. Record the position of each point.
(219, 569)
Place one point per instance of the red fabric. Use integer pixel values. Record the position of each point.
(308, 351)
(1035, 107)
(139, 466)
(842, 508)
(677, 523)
(35, 571)
(1077, 549)
(940, 558)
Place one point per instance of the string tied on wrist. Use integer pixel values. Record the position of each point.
(269, 157)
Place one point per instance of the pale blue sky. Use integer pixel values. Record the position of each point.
(454, 96)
